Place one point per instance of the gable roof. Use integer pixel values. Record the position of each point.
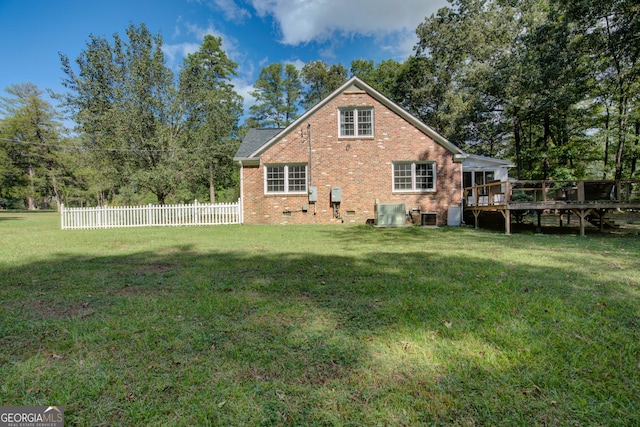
(252, 149)
(255, 139)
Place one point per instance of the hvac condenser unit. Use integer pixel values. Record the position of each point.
(390, 215)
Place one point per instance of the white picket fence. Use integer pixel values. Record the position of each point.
(151, 215)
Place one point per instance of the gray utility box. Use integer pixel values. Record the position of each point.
(336, 194)
(313, 194)
(390, 215)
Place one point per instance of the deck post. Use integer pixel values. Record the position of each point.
(506, 213)
(476, 214)
(581, 214)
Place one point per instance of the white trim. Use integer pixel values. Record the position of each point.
(286, 179)
(413, 188)
(356, 110)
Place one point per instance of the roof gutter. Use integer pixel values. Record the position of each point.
(247, 161)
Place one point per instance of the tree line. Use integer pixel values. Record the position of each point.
(550, 84)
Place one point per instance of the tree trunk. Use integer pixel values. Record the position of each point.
(31, 200)
(54, 184)
(606, 143)
(212, 188)
(518, 144)
(546, 169)
(634, 159)
(622, 132)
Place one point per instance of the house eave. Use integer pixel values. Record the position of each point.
(247, 161)
(491, 160)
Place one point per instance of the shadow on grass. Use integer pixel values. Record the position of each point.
(422, 336)
(4, 217)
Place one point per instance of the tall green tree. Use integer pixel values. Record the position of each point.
(607, 34)
(503, 79)
(29, 135)
(212, 111)
(123, 99)
(320, 80)
(382, 76)
(277, 92)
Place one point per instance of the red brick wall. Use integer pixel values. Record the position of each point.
(362, 167)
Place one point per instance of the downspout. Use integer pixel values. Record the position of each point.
(311, 166)
(241, 201)
(461, 193)
(310, 155)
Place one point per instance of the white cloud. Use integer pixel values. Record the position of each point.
(175, 52)
(231, 10)
(296, 63)
(244, 89)
(305, 21)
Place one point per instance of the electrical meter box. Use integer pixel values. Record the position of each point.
(313, 194)
(336, 194)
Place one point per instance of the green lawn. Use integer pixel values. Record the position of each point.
(318, 325)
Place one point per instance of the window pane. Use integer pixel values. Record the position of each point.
(479, 176)
(402, 176)
(365, 125)
(275, 179)
(467, 179)
(347, 123)
(424, 176)
(297, 178)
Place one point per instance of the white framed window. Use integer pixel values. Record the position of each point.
(414, 176)
(356, 122)
(285, 179)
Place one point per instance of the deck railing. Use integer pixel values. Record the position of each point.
(549, 192)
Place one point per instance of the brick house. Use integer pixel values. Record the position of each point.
(343, 161)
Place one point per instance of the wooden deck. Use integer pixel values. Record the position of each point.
(590, 200)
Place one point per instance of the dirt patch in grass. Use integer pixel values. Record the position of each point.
(155, 268)
(44, 309)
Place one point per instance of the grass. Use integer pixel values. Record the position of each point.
(315, 325)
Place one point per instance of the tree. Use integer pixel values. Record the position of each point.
(29, 135)
(504, 80)
(607, 34)
(321, 80)
(212, 111)
(277, 92)
(383, 77)
(123, 99)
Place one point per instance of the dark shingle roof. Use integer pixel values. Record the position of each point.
(255, 139)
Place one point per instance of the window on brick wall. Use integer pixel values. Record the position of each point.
(356, 122)
(414, 176)
(285, 179)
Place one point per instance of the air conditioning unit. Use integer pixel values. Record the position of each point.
(390, 215)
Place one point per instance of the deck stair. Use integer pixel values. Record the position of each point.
(607, 221)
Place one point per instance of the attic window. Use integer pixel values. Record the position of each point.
(356, 122)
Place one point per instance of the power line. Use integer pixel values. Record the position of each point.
(67, 147)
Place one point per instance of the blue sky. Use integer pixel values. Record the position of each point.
(254, 32)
